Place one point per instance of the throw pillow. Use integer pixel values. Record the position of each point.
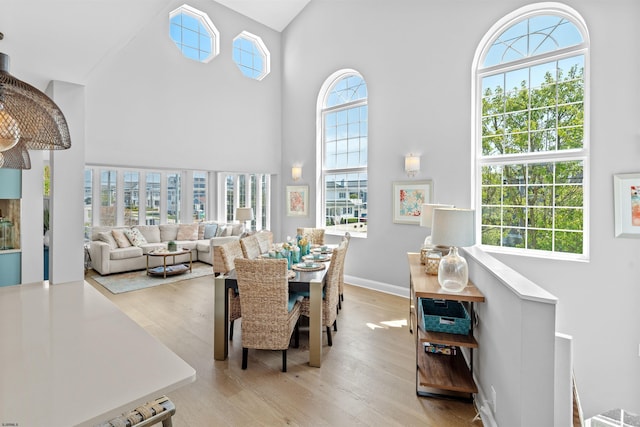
(120, 238)
(237, 229)
(227, 231)
(135, 236)
(210, 230)
(108, 238)
(188, 231)
(220, 230)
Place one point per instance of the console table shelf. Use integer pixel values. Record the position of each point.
(441, 374)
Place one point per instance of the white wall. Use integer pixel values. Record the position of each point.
(416, 59)
(149, 106)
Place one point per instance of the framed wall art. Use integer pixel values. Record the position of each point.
(408, 197)
(297, 200)
(626, 188)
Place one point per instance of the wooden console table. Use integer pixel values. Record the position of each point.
(439, 374)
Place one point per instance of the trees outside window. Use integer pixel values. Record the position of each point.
(531, 149)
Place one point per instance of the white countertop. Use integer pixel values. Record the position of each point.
(69, 356)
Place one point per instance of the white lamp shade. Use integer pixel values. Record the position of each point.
(426, 216)
(453, 227)
(244, 214)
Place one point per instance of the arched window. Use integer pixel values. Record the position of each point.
(531, 139)
(342, 153)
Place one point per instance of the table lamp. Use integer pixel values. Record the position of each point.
(455, 228)
(426, 220)
(243, 215)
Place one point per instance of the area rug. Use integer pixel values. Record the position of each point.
(135, 280)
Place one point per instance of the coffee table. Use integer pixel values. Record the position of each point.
(172, 269)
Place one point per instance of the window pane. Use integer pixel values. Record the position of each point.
(199, 196)
(88, 198)
(174, 194)
(193, 33)
(108, 197)
(131, 198)
(153, 198)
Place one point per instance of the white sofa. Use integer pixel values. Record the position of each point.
(107, 256)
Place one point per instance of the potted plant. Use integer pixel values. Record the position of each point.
(171, 246)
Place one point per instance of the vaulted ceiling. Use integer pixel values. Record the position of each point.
(66, 39)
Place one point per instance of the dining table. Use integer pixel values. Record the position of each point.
(308, 281)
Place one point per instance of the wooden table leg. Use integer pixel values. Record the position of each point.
(220, 316)
(315, 324)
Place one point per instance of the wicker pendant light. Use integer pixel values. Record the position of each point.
(29, 120)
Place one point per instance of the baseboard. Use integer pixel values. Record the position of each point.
(377, 286)
(483, 407)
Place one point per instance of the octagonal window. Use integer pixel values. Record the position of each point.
(251, 55)
(194, 34)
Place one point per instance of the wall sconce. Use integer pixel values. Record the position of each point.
(296, 172)
(411, 164)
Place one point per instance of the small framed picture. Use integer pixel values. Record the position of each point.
(408, 197)
(626, 189)
(297, 200)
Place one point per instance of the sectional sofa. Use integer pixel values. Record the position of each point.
(119, 249)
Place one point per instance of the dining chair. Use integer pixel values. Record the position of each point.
(314, 235)
(269, 313)
(330, 295)
(265, 240)
(250, 247)
(230, 252)
(347, 239)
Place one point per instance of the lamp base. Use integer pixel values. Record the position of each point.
(453, 272)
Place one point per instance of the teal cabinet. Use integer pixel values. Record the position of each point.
(10, 263)
(10, 183)
(10, 257)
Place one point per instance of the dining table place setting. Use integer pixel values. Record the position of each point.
(309, 265)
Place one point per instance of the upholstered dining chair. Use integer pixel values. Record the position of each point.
(315, 235)
(330, 296)
(269, 313)
(250, 247)
(229, 252)
(346, 239)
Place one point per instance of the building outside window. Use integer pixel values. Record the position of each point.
(531, 148)
(199, 196)
(108, 197)
(152, 197)
(131, 198)
(174, 197)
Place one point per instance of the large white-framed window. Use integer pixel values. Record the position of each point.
(531, 139)
(342, 152)
(120, 196)
(239, 190)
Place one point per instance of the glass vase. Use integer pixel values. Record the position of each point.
(453, 272)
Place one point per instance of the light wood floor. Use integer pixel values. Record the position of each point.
(367, 376)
